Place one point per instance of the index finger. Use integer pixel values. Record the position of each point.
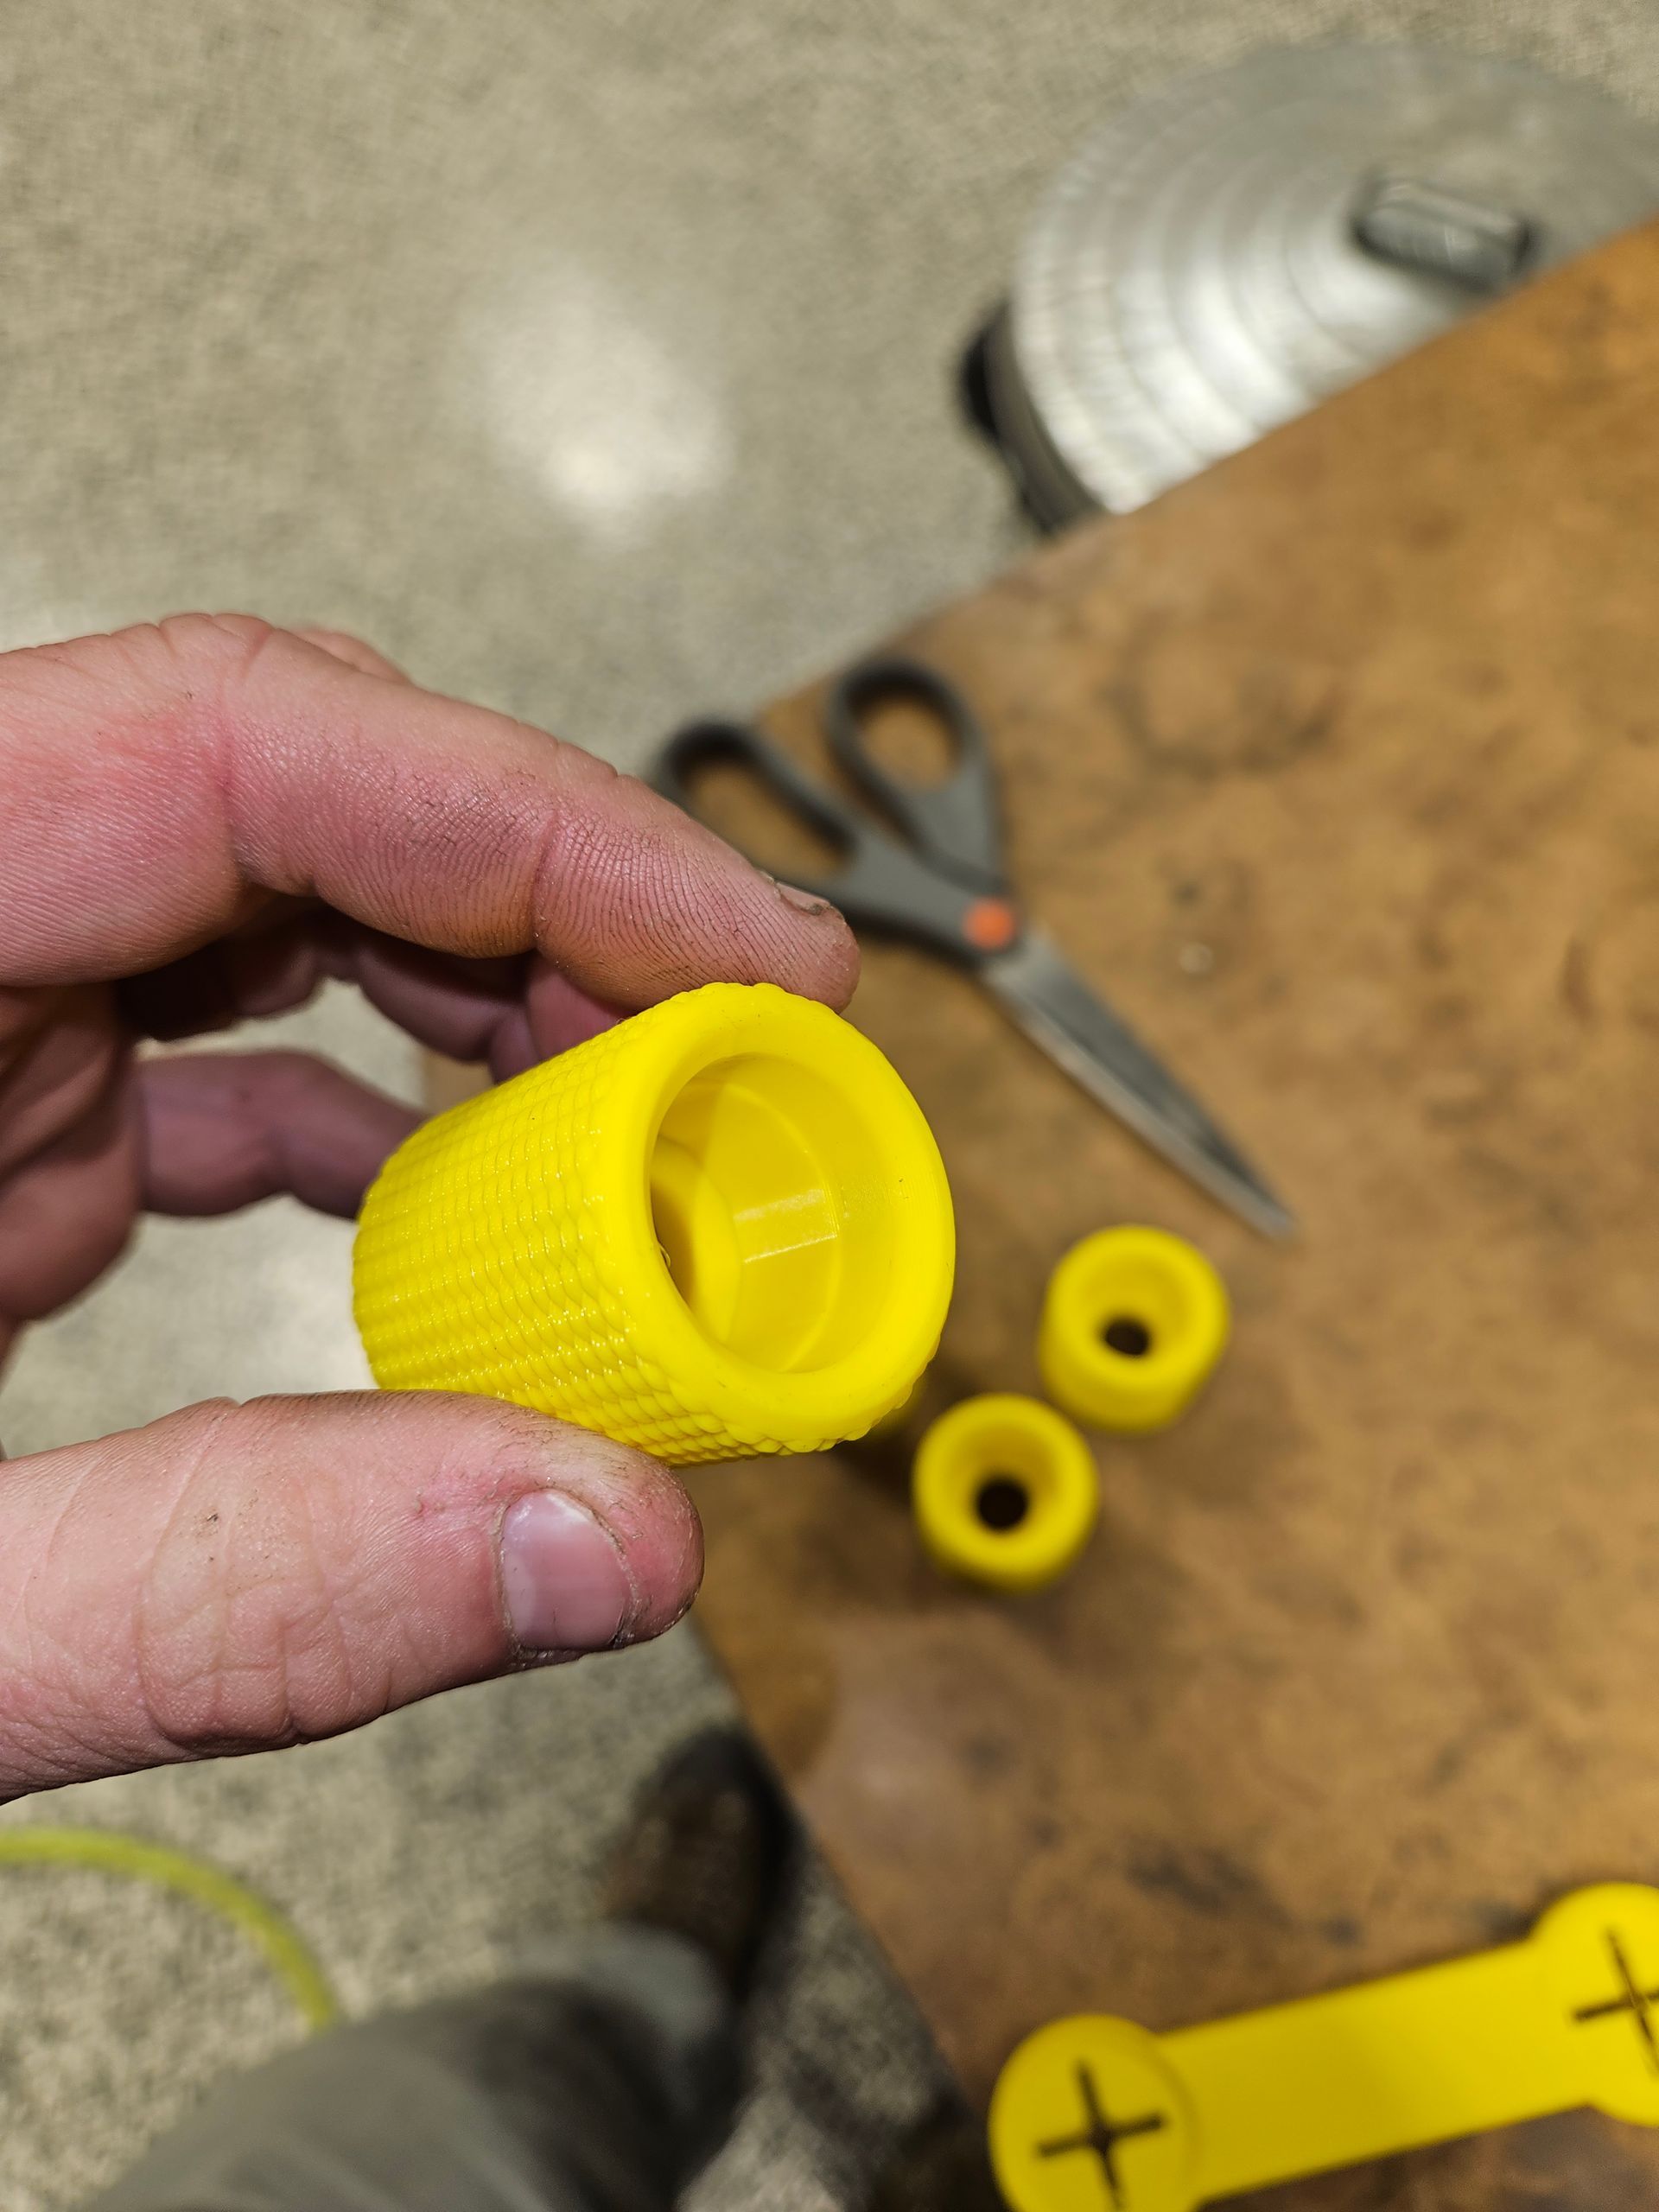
(158, 785)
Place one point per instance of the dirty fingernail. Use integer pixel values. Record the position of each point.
(805, 902)
(562, 1577)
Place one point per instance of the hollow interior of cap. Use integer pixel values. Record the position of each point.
(1005, 1473)
(774, 1211)
(1137, 1306)
(1001, 1502)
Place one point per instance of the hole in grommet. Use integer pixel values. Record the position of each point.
(1002, 1502)
(1124, 1333)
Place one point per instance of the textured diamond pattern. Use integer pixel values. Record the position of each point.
(487, 1262)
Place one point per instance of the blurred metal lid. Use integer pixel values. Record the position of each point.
(1240, 245)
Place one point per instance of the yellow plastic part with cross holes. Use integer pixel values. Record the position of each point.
(721, 1227)
(1094, 2112)
(1004, 1491)
(1134, 1321)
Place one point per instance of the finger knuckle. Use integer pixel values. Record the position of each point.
(241, 1630)
(219, 640)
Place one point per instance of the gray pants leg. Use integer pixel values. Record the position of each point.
(601, 2086)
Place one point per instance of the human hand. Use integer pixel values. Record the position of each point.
(198, 823)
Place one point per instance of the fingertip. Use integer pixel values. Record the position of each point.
(829, 943)
(783, 934)
(649, 1523)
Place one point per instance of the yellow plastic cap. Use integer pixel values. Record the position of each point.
(1005, 1491)
(721, 1227)
(895, 1418)
(1133, 1323)
(1048, 2152)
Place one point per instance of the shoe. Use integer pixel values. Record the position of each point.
(707, 1854)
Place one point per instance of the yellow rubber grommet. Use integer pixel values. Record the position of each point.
(1005, 1491)
(721, 1227)
(1133, 1323)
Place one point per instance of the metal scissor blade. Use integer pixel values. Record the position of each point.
(1052, 1004)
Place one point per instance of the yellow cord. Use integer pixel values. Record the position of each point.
(286, 1953)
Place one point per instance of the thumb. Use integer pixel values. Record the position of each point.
(235, 1578)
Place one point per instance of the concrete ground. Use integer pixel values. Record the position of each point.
(595, 359)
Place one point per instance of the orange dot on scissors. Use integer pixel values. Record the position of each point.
(989, 924)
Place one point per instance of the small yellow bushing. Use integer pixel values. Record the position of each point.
(1134, 1321)
(1004, 1491)
(720, 1228)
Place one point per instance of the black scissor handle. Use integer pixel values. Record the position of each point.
(705, 744)
(954, 823)
(880, 884)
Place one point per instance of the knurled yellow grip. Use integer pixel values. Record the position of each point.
(721, 1227)
(1133, 1323)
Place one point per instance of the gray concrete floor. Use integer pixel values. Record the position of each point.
(595, 359)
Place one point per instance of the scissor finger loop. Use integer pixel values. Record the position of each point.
(878, 883)
(954, 822)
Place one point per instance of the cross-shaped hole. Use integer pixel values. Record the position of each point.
(1632, 1999)
(1102, 2134)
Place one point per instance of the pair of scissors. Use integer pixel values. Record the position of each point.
(940, 882)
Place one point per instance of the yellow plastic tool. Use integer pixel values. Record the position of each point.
(1005, 1491)
(1093, 2113)
(1133, 1323)
(721, 1227)
(893, 1421)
